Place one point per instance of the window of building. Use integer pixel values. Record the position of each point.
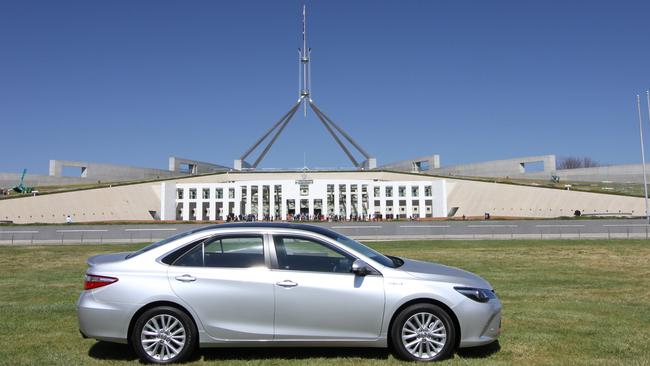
(428, 191)
(192, 193)
(297, 253)
(206, 193)
(179, 193)
(402, 191)
(219, 193)
(304, 189)
(415, 191)
(231, 193)
(377, 191)
(389, 191)
(330, 188)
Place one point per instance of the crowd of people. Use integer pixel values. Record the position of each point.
(317, 217)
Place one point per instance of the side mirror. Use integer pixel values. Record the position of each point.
(361, 268)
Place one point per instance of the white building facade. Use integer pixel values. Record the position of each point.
(313, 199)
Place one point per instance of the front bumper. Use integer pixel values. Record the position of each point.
(480, 323)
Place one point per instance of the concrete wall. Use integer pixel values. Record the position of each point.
(194, 166)
(628, 173)
(421, 164)
(497, 168)
(476, 198)
(109, 172)
(8, 180)
(132, 202)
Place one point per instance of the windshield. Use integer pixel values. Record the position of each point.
(355, 245)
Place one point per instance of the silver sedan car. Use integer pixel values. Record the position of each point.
(260, 285)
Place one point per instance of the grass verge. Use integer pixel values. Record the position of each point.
(565, 303)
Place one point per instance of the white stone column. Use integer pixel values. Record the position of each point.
(409, 205)
(371, 201)
(283, 203)
(186, 204)
(272, 200)
(360, 200)
(337, 194)
(237, 207)
(348, 201)
(260, 202)
(247, 209)
(199, 203)
(167, 201)
(213, 204)
(423, 210)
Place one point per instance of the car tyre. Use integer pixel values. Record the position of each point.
(423, 332)
(164, 335)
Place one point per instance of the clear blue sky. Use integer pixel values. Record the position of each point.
(133, 82)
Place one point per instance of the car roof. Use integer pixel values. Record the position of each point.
(272, 225)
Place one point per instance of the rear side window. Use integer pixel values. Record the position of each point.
(225, 252)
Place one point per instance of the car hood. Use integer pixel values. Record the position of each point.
(438, 272)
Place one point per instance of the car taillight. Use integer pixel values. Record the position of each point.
(94, 281)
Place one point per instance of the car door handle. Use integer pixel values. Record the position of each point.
(287, 284)
(185, 278)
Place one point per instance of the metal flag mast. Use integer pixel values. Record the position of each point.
(304, 98)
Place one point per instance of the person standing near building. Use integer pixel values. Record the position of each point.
(68, 219)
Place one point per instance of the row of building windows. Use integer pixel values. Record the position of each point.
(206, 193)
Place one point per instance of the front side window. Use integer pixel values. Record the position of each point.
(225, 252)
(296, 253)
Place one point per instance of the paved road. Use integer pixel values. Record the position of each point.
(387, 230)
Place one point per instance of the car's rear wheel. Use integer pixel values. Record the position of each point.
(163, 335)
(423, 332)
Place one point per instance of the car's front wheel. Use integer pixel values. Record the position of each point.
(163, 335)
(423, 332)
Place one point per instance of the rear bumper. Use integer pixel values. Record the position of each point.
(101, 321)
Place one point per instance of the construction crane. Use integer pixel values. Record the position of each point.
(21, 187)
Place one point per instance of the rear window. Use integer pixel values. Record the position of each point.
(163, 242)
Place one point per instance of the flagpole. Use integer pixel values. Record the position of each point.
(645, 179)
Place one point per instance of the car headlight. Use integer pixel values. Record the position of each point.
(477, 294)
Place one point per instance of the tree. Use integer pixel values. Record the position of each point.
(573, 162)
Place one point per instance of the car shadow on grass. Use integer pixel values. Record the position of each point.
(112, 351)
(480, 351)
(122, 352)
(296, 353)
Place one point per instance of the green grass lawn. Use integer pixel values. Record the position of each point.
(565, 303)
